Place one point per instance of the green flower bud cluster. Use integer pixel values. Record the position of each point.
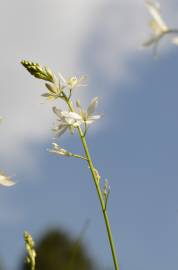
(30, 247)
(43, 73)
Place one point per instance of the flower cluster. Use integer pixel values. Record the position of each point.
(60, 88)
(57, 84)
(70, 120)
(66, 120)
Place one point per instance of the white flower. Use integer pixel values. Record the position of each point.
(67, 120)
(76, 82)
(72, 82)
(6, 180)
(71, 120)
(59, 151)
(157, 24)
(87, 116)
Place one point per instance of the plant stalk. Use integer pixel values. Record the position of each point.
(99, 192)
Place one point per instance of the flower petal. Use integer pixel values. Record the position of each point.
(61, 78)
(95, 117)
(57, 112)
(52, 88)
(61, 131)
(92, 118)
(82, 80)
(92, 106)
(74, 116)
(71, 115)
(155, 13)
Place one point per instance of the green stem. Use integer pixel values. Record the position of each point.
(78, 156)
(99, 192)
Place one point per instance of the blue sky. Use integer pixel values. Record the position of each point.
(134, 145)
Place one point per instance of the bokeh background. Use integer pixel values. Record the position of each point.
(134, 145)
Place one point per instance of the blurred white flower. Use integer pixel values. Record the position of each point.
(87, 116)
(59, 151)
(158, 25)
(67, 120)
(6, 180)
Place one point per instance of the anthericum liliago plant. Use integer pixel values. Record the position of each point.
(74, 118)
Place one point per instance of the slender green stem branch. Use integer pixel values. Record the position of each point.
(78, 156)
(99, 192)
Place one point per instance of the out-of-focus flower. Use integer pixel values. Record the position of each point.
(59, 150)
(158, 25)
(87, 116)
(67, 120)
(6, 180)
